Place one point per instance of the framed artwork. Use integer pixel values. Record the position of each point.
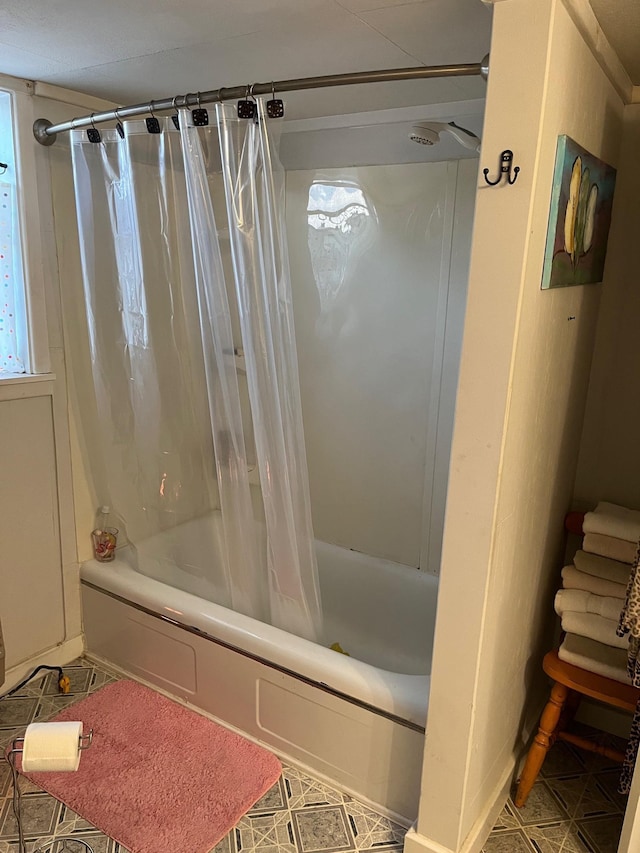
(579, 217)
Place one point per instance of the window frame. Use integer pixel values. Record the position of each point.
(25, 162)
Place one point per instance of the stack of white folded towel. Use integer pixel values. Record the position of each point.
(593, 592)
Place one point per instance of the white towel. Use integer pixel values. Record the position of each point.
(608, 546)
(613, 520)
(595, 657)
(572, 578)
(596, 627)
(581, 601)
(601, 567)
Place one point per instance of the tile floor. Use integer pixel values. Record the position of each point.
(573, 807)
(298, 814)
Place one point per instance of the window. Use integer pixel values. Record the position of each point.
(13, 324)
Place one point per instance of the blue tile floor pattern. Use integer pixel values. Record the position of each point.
(573, 807)
(298, 814)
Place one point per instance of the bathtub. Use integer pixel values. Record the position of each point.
(358, 721)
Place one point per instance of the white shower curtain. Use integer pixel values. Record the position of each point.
(254, 192)
(162, 340)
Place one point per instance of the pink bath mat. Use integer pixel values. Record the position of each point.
(158, 777)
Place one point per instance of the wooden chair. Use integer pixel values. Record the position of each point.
(570, 684)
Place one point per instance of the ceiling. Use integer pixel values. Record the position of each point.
(134, 50)
(620, 20)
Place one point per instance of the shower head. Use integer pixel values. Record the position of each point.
(428, 133)
(423, 134)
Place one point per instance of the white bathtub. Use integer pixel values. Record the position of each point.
(357, 720)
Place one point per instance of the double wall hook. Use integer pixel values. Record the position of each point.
(506, 162)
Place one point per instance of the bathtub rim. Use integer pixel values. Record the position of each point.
(122, 583)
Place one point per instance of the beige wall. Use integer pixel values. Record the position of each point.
(39, 579)
(521, 399)
(31, 582)
(609, 467)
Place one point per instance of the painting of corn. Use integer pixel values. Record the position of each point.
(579, 217)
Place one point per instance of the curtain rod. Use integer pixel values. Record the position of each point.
(45, 132)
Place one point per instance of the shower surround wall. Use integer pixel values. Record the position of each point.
(379, 266)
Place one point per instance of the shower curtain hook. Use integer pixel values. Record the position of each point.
(175, 118)
(153, 125)
(247, 108)
(119, 125)
(255, 102)
(200, 115)
(275, 107)
(93, 134)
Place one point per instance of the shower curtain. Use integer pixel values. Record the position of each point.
(178, 309)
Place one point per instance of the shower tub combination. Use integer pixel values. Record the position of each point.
(357, 720)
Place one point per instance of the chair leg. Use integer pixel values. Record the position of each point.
(542, 742)
(569, 710)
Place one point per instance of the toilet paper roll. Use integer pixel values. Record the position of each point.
(52, 747)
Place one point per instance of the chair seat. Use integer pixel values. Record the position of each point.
(590, 684)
